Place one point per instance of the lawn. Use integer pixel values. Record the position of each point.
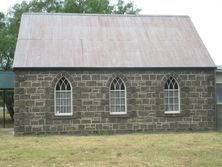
(148, 149)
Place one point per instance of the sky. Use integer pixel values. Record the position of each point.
(205, 15)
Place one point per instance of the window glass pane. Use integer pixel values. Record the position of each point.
(170, 85)
(117, 86)
(63, 87)
(64, 94)
(176, 86)
(165, 93)
(61, 95)
(175, 108)
(117, 94)
(113, 101)
(113, 94)
(170, 107)
(165, 101)
(170, 101)
(170, 93)
(57, 95)
(69, 95)
(122, 93)
(118, 108)
(112, 86)
(69, 109)
(66, 102)
(57, 87)
(176, 100)
(122, 87)
(68, 87)
(123, 101)
(57, 101)
(118, 101)
(219, 93)
(69, 102)
(166, 86)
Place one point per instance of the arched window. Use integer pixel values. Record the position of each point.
(63, 97)
(171, 96)
(117, 97)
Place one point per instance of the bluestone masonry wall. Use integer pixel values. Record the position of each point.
(34, 101)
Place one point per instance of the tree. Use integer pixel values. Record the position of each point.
(6, 47)
(9, 23)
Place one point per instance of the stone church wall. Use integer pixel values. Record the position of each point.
(34, 101)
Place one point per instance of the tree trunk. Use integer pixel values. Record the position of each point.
(9, 101)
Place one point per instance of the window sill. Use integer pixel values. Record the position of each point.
(63, 115)
(74, 115)
(122, 115)
(172, 112)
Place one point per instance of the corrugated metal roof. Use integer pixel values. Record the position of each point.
(86, 40)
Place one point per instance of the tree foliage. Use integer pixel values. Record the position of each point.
(9, 23)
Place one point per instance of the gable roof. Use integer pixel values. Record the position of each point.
(108, 41)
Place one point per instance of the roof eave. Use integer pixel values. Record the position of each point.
(110, 68)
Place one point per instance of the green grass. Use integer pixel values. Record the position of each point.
(151, 150)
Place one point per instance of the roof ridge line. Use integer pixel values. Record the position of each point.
(113, 15)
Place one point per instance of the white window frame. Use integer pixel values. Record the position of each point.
(55, 91)
(176, 111)
(125, 101)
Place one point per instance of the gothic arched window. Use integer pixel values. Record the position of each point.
(63, 97)
(117, 96)
(171, 96)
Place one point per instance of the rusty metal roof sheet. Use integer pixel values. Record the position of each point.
(87, 40)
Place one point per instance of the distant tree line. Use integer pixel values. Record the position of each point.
(9, 23)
